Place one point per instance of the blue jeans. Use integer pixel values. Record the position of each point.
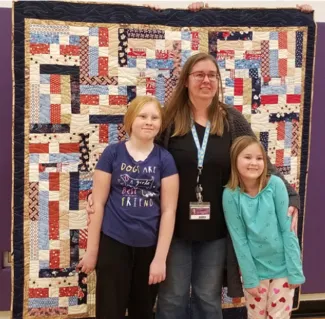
(198, 265)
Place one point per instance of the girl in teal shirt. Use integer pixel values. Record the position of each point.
(255, 207)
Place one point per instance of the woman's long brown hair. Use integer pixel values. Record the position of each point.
(177, 111)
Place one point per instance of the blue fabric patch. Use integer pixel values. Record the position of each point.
(94, 89)
(132, 62)
(274, 35)
(93, 31)
(230, 82)
(44, 38)
(73, 301)
(43, 221)
(93, 61)
(272, 89)
(185, 55)
(229, 100)
(160, 89)
(85, 185)
(122, 90)
(113, 133)
(74, 39)
(45, 108)
(45, 78)
(297, 89)
(34, 158)
(186, 35)
(247, 64)
(274, 63)
(44, 264)
(222, 64)
(287, 136)
(159, 64)
(43, 302)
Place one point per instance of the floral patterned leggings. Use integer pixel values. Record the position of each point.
(275, 300)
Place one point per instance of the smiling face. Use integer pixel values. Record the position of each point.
(250, 163)
(202, 81)
(147, 123)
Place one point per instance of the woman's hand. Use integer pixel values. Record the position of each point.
(294, 286)
(152, 7)
(197, 6)
(305, 8)
(293, 211)
(89, 207)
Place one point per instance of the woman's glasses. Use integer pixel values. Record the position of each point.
(200, 76)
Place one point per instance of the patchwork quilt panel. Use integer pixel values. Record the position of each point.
(77, 66)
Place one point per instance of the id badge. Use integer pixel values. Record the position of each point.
(199, 211)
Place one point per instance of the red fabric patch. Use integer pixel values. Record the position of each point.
(269, 99)
(238, 89)
(283, 40)
(103, 37)
(103, 133)
(55, 85)
(39, 48)
(54, 179)
(39, 148)
(103, 66)
(89, 99)
(118, 100)
(38, 292)
(283, 67)
(55, 113)
(293, 98)
(280, 131)
(69, 49)
(69, 148)
(68, 291)
(279, 157)
(54, 258)
(54, 232)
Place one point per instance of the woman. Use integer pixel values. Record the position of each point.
(201, 246)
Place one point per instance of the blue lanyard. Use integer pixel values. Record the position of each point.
(201, 149)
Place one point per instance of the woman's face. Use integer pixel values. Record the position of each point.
(202, 82)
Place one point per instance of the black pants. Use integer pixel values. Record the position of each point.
(122, 281)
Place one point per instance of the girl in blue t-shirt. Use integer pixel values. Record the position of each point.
(135, 195)
(255, 207)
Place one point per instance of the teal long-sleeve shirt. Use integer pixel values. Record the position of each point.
(259, 226)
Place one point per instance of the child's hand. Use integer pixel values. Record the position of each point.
(294, 286)
(157, 272)
(87, 263)
(253, 291)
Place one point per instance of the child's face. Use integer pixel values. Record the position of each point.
(147, 123)
(250, 162)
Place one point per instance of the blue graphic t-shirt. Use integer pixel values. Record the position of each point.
(132, 212)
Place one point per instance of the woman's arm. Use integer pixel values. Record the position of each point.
(168, 203)
(101, 189)
(290, 240)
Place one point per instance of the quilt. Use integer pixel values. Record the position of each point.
(77, 65)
